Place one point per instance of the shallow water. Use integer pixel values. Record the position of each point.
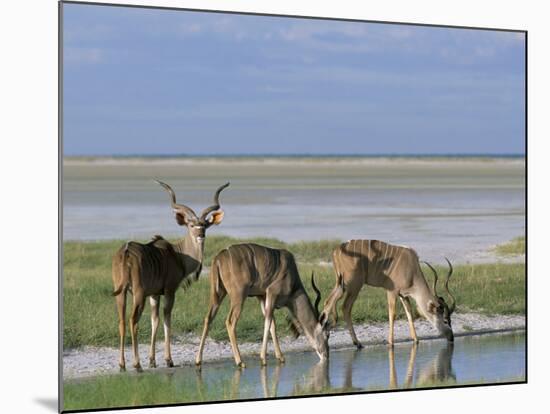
(489, 358)
(471, 360)
(454, 209)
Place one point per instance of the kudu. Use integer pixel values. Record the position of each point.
(158, 268)
(397, 270)
(271, 275)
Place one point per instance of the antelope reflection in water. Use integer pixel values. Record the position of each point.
(317, 378)
(410, 367)
(437, 370)
(316, 381)
(274, 381)
(235, 384)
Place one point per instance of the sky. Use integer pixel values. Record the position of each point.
(169, 82)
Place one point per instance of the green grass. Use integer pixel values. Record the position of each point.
(90, 315)
(144, 389)
(513, 247)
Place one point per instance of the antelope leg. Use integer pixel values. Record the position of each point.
(168, 305)
(231, 325)
(408, 310)
(210, 315)
(154, 302)
(272, 330)
(121, 308)
(267, 326)
(139, 304)
(349, 300)
(392, 301)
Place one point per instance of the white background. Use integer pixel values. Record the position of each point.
(28, 133)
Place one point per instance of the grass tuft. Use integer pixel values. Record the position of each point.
(512, 248)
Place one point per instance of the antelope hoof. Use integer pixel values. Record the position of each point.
(263, 362)
(169, 363)
(281, 359)
(390, 344)
(152, 363)
(241, 365)
(198, 363)
(359, 345)
(122, 368)
(138, 367)
(416, 341)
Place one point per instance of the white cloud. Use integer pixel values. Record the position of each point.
(92, 55)
(87, 32)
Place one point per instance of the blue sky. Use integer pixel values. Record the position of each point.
(143, 81)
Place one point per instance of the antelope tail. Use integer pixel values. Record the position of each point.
(125, 273)
(216, 283)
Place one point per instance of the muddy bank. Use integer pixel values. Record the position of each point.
(91, 361)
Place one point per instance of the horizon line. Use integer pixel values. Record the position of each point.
(302, 155)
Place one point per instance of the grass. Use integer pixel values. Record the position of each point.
(90, 315)
(512, 248)
(138, 390)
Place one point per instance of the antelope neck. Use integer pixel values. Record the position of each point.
(422, 295)
(190, 248)
(304, 313)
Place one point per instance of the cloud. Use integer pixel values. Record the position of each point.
(190, 28)
(86, 55)
(85, 32)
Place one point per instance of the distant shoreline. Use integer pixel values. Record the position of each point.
(295, 156)
(291, 159)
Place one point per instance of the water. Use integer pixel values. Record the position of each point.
(475, 359)
(458, 209)
(471, 360)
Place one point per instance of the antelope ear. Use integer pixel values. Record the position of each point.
(180, 219)
(216, 217)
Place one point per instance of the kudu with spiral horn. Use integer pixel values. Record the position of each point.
(157, 269)
(442, 306)
(270, 275)
(393, 268)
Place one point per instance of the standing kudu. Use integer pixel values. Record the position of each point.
(397, 270)
(158, 268)
(271, 275)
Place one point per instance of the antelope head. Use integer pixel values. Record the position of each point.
(439, 313)
(196, 225)
(321, 332)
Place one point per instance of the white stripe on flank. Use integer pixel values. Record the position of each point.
(392, 251)
(230, 261)
(397, 262)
